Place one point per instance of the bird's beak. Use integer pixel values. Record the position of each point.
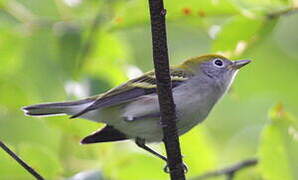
(239, 64)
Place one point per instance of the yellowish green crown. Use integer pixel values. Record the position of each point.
(193, 62)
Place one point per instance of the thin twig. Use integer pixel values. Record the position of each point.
(282, 12)
(229, 171)
(87, 45)
(21, 162)
(164, 91)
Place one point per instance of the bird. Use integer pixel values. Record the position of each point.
(131, 110)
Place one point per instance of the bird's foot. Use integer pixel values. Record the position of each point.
(166, 169)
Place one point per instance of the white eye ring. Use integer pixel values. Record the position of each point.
(218, 63)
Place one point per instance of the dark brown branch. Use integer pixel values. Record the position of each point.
(21, 162)
(229, 171)
(165, 96)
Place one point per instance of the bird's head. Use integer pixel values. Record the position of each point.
(214, 66)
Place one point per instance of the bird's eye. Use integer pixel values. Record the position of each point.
(218, 62)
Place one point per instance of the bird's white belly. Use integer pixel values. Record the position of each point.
(150, 129)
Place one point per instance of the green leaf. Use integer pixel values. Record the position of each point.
(285, 35)
(109, 57)
(200, 8)
(238, 29)
(127, 15)
(198, 151)
(279, 147)
(140, 166)
(69, 47)
(10, 47)
(40, 64)
(9, 168)
(191, 11)
(41, 159)
(45, 8)
(261, 7)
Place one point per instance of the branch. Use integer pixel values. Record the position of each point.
(282, 12)
(87, 45)
(229, 171)
(21, 162)
(165, 96)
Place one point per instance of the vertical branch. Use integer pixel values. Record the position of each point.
(165, 96)
(21, 162)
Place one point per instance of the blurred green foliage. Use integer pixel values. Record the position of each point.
(55, 50)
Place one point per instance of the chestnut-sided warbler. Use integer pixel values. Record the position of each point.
(131, 110)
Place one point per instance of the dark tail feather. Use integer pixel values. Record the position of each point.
(106, 134)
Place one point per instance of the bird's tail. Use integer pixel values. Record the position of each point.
(52, 109)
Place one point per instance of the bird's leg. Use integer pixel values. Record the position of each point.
(141, 143)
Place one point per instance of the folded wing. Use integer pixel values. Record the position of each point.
(134, 88)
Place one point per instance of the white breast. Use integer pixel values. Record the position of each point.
(194, 106)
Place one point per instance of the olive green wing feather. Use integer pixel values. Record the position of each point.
(132, 89)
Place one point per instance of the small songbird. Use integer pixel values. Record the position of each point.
(131, 110)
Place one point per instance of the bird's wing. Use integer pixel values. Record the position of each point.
(132, 89)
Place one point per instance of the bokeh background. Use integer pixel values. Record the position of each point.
(56, 50)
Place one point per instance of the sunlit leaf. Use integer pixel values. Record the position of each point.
(9, 168)
(41, 159)
(238, 30)
(127, 15)
(45, 9)
(108, 58)
(192, 12)
(148, 168)
(10, 46)
(198, 151)
(279, 146)
(200, 9)
(261, 7)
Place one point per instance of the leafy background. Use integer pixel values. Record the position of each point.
(55, 50)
